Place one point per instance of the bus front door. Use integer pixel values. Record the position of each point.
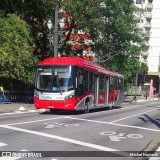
(106, 91)
(96, 88)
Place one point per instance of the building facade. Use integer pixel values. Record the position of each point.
(149, 22)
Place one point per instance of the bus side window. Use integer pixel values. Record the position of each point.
(80, 79)
(101, 83)
(85, 81)
(91, 84)
(120, 83)
(111, 83)
(80, 76)
(80, 82)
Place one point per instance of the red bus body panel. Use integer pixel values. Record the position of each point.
(45, 104)
(73, 103)
(78, 62)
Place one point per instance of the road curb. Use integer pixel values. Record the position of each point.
(18, 112)
(154, 145)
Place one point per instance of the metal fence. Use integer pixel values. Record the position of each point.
(16, 91)
(19, 96)
(133, 90)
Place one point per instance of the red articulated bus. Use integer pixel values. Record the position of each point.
(69, 83)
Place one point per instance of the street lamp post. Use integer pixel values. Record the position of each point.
(136, 85)
(49, 24)
(56, 33)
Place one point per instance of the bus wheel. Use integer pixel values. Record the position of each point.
(52, 111)
(86, 107)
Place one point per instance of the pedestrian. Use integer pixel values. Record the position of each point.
(134, 99)
(146, 95)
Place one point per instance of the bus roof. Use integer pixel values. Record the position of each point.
(78, 62)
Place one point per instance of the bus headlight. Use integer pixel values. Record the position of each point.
(36, 95)
(69, 96)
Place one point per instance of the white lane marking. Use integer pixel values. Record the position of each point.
(129, 107)
(129, 126)
(111, 123)
(133, 115)
(2, 144)
(119, 109)
(41, 120)
(90, 145)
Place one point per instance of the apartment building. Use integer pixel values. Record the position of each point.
(149, 22)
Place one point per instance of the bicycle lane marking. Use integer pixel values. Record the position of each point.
(117, 137)
(90, 145)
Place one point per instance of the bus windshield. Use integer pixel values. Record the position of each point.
(54, 78)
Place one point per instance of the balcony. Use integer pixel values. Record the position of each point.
(148, 33)
(145, 55)
(148, 15)
(147, 25)
(149, 6)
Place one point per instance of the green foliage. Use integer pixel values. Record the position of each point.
(143, 68)
(16, 59)
(118, 41)
(121, 41)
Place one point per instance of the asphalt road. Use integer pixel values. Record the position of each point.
(118, 134)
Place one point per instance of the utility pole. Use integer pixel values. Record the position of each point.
(136, 84)
(56, 32)
(54, 53)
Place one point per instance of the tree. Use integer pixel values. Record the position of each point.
(118, 41)
(16, 59)
(121, 41)
(113, 28)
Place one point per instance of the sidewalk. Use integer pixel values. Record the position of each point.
(139, 99)
(11, 107)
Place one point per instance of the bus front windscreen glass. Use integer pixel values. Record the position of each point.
(55, 79)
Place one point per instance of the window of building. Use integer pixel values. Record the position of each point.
(139, 1)
(140, 21)
(150, 1)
